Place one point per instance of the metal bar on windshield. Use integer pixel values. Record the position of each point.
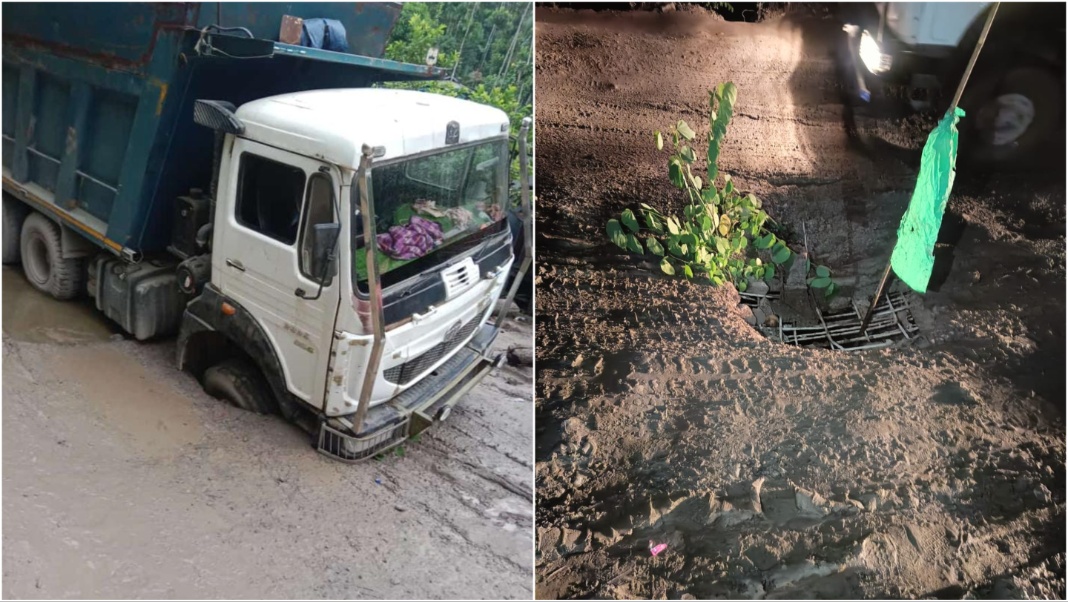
(374, 284)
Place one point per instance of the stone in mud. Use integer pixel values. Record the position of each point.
(747, 314)
(571, 540)
(797, 278)
(759, 316)
(758, 287)
(548, 541)
(578, 480)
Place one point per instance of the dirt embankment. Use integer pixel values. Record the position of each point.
(932, 469)
(123, 479)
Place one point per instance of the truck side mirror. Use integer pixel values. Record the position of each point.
(323, 242)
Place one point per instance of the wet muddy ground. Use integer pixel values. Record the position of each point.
(931, 469)
(123, 479)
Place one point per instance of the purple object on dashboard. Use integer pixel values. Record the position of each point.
(412, 240)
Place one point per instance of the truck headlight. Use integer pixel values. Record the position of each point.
(872, 56)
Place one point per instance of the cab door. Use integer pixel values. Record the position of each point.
(262, 255)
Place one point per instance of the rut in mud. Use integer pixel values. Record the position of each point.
(935, 468)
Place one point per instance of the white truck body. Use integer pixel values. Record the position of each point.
(930, 23)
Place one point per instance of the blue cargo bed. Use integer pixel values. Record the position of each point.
(98, 99)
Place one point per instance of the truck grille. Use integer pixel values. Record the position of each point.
(405, 373)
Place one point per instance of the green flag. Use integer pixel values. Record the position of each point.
(913, 257)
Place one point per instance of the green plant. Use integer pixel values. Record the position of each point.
(421, 33)
(722, 234)
(822, 280)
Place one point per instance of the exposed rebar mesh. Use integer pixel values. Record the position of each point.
(408, 371)
(892, 322)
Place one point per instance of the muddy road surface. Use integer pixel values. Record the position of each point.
(934, 468)
(123, 479)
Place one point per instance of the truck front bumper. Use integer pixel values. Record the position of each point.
(419, 407)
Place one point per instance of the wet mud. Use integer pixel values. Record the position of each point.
(123, 479)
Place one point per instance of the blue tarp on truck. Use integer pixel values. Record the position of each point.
(98, 99)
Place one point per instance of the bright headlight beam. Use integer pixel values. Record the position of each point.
(871, 55)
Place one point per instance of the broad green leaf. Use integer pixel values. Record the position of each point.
(831, 290)
(686, 270)
(706, 224)
(742, 285)
(659, 141)
(744, 242)
(753, 200)
(686, 154)
(723, 247)
(615, 233)
(765, 242)
(820, 282)
(674, 248)
(634, 245)
(721, 101)
(675, 173)
(666, 267)
(709, 195)
(685, 130)
(822, 271)
(728, 187)
(629, 220)
(688, 239)
(781, 254)
(654, 246)
(769, 274)
(653, 223)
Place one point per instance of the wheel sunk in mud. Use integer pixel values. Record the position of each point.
(239, 382)
(1014, 119)
(41, 249)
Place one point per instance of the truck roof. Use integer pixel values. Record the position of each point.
(333, 125)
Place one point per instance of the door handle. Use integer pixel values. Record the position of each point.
(235, 264)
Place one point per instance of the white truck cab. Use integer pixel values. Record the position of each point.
(360, 236)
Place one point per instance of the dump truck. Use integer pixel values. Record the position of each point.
(324, 247)
(1015, 97)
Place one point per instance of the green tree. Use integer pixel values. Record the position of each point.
(486, 46)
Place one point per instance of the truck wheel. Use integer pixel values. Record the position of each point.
(1013, 117)
(14, 213)
(240, 383)
(42, 259)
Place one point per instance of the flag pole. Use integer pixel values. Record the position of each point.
(952, 108)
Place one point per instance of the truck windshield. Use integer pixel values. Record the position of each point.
(427, 208)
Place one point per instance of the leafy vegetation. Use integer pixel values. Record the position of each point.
(722, 234)
(486, 47)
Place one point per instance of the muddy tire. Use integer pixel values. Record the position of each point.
(41, 247)
(1014, 118)
(240, 383)
(14, 214)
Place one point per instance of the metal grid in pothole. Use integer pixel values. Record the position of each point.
(892, 322)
